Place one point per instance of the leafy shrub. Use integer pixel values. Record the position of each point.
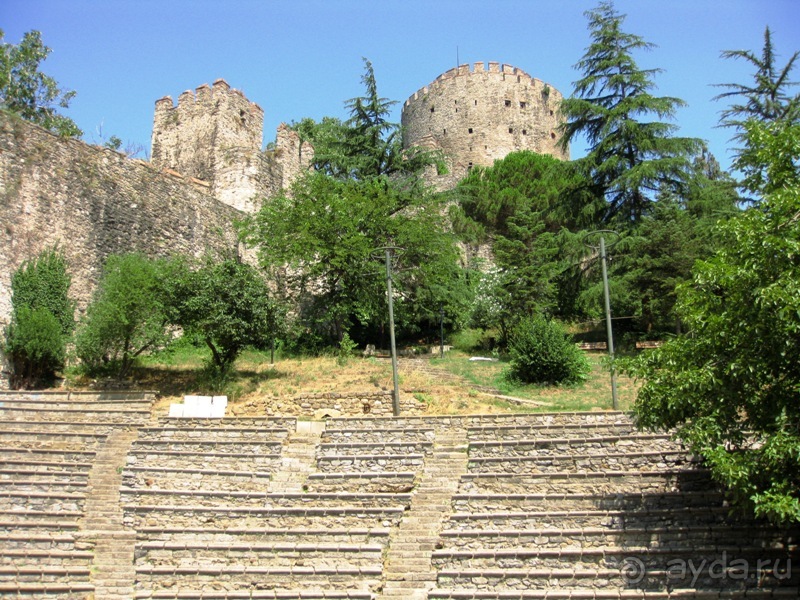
(41, 319)
(473, 340)
(542, 352)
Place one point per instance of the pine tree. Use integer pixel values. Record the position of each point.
(632, 152)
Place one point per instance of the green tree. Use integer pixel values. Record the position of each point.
(127, 315)
(730, 387)
(367, 145)
(228, 305)
(768, 98)
(528, 207)
(321, 246)
(28, 92)
(632, 150)
(42, 319)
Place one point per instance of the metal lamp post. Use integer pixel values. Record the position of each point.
(395, 379)
(610, 334)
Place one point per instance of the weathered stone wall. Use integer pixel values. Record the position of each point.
(334, 404)
(476, 116)
(93, 202)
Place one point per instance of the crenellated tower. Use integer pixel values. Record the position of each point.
(213, 134)
(478, 115)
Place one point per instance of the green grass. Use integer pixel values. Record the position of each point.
(591, 394)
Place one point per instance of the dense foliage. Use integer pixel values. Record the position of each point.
(731, 388)
(227, 304)
(321, 241)
(42, 319)
(127, 315)
(28, 92)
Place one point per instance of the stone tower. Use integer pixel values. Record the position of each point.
(476, 116)
(214, 134)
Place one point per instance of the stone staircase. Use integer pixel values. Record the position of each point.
(61, 533)
(99, 501)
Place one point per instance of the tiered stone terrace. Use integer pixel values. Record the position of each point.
(100, 500)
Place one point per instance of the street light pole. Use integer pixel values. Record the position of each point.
(396, 395)
(607, 300)
(609, 332)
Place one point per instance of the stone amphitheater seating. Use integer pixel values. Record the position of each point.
(100, 500)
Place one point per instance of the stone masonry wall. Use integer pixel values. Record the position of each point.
(476, 116)
(93, 202)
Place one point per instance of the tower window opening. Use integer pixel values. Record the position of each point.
(432, 108)
(510, 130)
(552, 135)
(444, 132)
(470, 130)
(476, 103)
(524, 132)
(508, 102)
(522, 105)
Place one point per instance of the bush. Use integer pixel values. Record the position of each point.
(542, 352)
(41, 319)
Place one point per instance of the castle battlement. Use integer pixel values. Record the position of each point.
(481, 69)
(205, 97)
(477, 114)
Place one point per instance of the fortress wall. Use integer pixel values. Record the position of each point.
(478, 115)
(93, 202)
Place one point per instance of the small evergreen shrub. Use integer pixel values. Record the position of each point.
(542, 352)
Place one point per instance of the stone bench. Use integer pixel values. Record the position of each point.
(374, 463)
(47, 456)
(44, 557)
(29, 522)
(270, 423)
(678, 538)
(105, 416)
(571, 431)
(245, 577)
(340, 517)
(609, 594)
(604, 482)
(202, 460)
(711, 516)
(20, 500)
(37, 541)
(166, 478)
(257, 594)
(383, 435)
(378, 482)
(606, 568)
(482, 503)
(267, 500)
(213, 534)
(569, 446)
(61, 440)
(188, 555)
(549, 419)
(44, 574)
(202, 446)
(582, 463)
(59, 483)
(374, 448)
(209, 433)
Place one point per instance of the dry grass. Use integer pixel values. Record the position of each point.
(453, 385)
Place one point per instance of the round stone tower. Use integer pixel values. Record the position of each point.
(476, 116)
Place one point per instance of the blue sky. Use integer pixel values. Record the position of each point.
(303, 58)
